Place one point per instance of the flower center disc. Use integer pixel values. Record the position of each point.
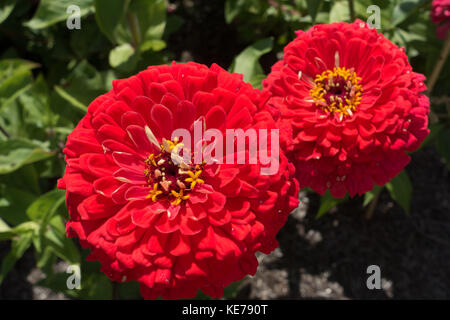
(337, 91)
(169, 179)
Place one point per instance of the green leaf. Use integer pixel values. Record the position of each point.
(84, 84)
(51, 12)
(442, 142)
(327, 201)
(45, 206)
(54, 237)
(121, 55)
(435, 131)
(15, 153)
(71, 99)
(5, 230)
(6, 7)
(15, 78)
(14, 203)
(247, 63)
(404, 9)
(313, 8)
(231, 291)
(400, 189)
(18, 248)
(368, 196)
(35, 104)
(151, 17)
(339, 11)
(232, 9)
(109, 14)
(256, 80)
(154, 45)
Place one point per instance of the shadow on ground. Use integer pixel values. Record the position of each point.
(328, 258)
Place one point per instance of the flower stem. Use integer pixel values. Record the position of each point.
(439, 64)
(435, 74)
(351, 6)
(134, 29)
(5, 133)
(371, 209)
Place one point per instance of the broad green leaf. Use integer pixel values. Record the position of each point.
(15, 78)
(442, 142)
(121, 55)
(84, 84)
(340, 11)
(14, 203)
(400, 189)
(54, 11)
(327, 202)
(45, 206)
(55, 238)
(151, 17)
(5, 230)
(247, 63)
(72, 100)
(26, 179)
(15, 153)
(6, 7)
(313, 8)
(231, 291)
(232, 9)
(35, 104)
(154, 45)
(109, 14)
(94, 284)
(404, 9)
(257, 79)
(18, 248)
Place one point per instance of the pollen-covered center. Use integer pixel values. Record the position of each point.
(337, 91)
(169, 179)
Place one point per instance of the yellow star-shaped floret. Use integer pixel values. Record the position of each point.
(178, 197)
(194, 178)
(154, 192)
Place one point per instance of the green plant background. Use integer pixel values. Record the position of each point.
(49, 74)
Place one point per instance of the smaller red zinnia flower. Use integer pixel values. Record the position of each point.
(440, 15)
(173, 226)
(349, 107)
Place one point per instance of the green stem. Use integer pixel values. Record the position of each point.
(439, 64)
(437, 70)
(351, 6)
(373, 205)
(134, 28)
(5, 133)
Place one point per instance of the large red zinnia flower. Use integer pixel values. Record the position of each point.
(440, 15)
(175, 228)
(350, 106)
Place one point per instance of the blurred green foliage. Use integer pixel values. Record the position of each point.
(49, 74)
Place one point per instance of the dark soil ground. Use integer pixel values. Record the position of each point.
(328, 258)
(325, 258)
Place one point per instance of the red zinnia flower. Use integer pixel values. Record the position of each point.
(350, 106)
(440, 15)
(175, 228)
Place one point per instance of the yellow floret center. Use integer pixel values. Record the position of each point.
(337, 91)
